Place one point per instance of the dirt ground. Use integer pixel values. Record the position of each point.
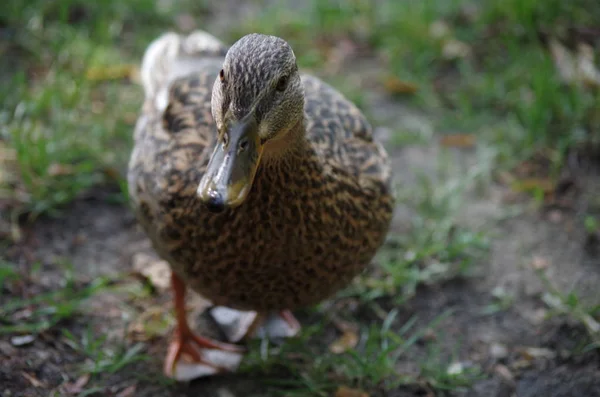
(521, 353)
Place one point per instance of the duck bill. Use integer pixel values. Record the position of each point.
(232, 167)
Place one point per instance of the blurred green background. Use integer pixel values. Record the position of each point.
(516, 73)
(515, 83)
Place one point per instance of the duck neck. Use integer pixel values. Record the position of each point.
(286, 148)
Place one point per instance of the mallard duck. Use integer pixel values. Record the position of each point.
(262, 187)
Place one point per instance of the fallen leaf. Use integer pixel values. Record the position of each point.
(127, 392)
(555, 216)
(458, 140)
(453, 49)
(8, 164)
(563, 60)
(521, 364)
(347, 341)
(505, 373)
(155, 270)
(98, 107)
(56, 169)
(429, 335)
(35, 382)
(575, 68)
(77, 386)
(22, 340)
(588, 73)
(531, 353)
(539, 263)
(394, 85)
(344, 391)
(546, 185)
(112, 173)
(537, 316)
(6, 349)
(130, 118)
(590, 323)
(455, 368)
(439, 29)
(151, 323)
(498, 351)
(115, 72)
(339, 54)
(343, 325)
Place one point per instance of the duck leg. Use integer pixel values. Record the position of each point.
(291, 320)
(185, 341)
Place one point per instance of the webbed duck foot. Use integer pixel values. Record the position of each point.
(291, 321)
(194, 347)
(207, 356)
(237, 325)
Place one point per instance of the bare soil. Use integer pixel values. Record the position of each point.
(522, 353)
(100, 238)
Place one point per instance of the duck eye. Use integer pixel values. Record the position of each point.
(282, 83)
(222, 75)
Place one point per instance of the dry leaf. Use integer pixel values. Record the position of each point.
(587, 70)
(458, 140)
(498, 351)
(8, 164)
(35, 382)
(439, 29)
(539, 263)
(455, 368)
(153, 322)
(521, 364)
(155, 270)
(394, 85)
(504, 373)
(112, 173)
(590, 323)
(347, 341)
(56, 169)
(555, 216)
(531, 353)
(77, 386)
(563, 60)
(578, 68)
(115, 72)
(127, 392)
(343, 325)
(344, 391)
(24, 339)
(339, 54)
(453, 49)
(533, 184)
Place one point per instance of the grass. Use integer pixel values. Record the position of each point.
(436, 247)
(569, 304)
(301, 368)
(103, 357)
(67, 115)
(44, 309)
(70, 94)
(484, 68)
(505, 76)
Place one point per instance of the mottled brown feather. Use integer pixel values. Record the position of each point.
(312, 221)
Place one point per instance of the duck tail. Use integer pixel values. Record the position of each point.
(172, 55)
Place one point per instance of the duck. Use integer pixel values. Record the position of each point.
(261, 186)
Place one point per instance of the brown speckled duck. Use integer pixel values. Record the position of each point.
(263, 188)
